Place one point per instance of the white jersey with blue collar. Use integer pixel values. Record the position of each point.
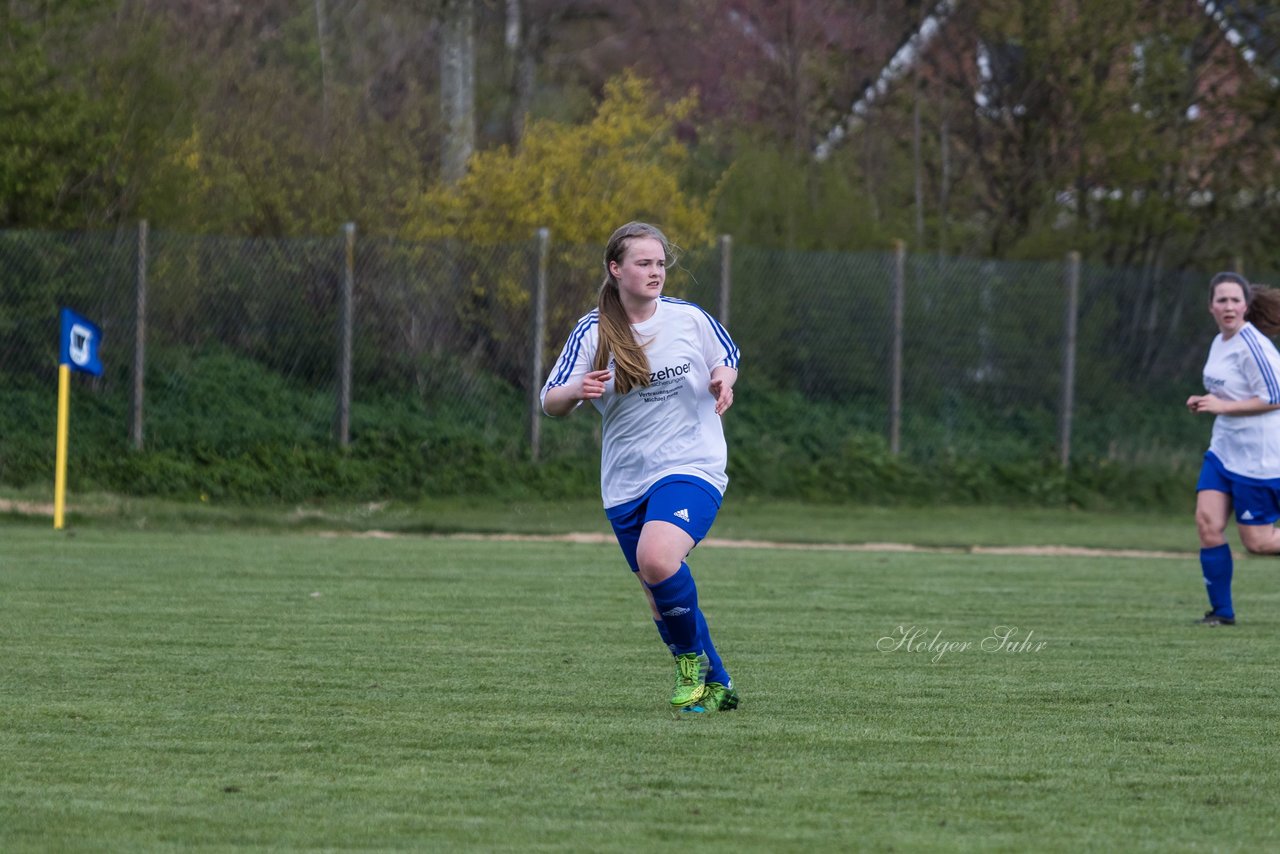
(1246, 365)
(669, 427)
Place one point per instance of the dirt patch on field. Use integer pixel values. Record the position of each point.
(27, 508)
(717, 542)
(34, 508)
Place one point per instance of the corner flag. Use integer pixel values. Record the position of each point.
(80, 339)
(77, 350)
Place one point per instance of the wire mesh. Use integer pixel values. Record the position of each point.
(39, 272)
(449, 326)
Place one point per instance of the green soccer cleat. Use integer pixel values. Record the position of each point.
(721, 697)
(691, 679)
(717, 698)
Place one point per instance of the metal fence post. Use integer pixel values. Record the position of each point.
(140, 336)
(726, 276)
(895, 358)
(1069, 357)
(539, 337)
(347, 338)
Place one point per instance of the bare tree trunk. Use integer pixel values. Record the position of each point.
(917, 169)
(457, 87)
(513, 27)
(322, 41)
(522, 37)
(526, 80)
(944, 191)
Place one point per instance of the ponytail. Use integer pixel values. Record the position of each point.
(630, 362)
(1264, 310)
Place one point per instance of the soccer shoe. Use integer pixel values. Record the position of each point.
(1212, 619)
(718, 698)
(691, 679)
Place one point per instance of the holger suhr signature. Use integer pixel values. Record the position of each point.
(1006, 639)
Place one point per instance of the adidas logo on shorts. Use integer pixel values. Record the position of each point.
(682, 514)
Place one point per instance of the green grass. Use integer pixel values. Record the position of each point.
(218, 689)
(753, 519)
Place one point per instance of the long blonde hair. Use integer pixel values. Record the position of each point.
(630, 362)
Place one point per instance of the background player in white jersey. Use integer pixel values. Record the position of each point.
(661, 373)
(1242, 466)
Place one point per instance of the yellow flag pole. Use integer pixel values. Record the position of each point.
(60, 474)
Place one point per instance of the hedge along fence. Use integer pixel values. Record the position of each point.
(939, 356)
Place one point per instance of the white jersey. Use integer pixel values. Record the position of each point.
(1244, 366)
(669, 427)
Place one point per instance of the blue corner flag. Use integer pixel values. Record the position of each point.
(80, 340)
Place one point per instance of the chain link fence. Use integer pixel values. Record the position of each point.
(937, 356)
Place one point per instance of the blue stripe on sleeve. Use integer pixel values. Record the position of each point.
(1264, 365)
(722, 335)
(570, 356)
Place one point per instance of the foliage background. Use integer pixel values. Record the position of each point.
(243, 338)
(1132, 131)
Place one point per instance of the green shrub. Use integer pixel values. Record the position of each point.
(225, 428)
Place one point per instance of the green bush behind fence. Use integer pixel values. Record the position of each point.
(243, 340)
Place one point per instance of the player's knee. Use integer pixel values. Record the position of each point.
(1211, 530)
(1260, 540)
(656, 566)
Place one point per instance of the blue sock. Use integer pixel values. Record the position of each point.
(677, 601)
(717, 673)
(665, 635)
(1215, 564)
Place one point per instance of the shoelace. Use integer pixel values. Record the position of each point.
(688, 670)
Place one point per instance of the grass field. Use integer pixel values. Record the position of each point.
(166, 689)
(741, 518)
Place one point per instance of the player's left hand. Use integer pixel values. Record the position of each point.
(723, 393)
(1205, 403)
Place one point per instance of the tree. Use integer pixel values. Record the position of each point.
(772, 196)
(578, 180)
(295, 126)
(1128, 129)
(56, 136)
(457, 87)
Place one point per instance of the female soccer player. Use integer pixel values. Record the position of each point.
(1242, 465)
(661, 373)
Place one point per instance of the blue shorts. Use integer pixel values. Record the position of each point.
(685, 501)
(1256, 501)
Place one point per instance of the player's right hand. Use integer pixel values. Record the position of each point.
(593, 383)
